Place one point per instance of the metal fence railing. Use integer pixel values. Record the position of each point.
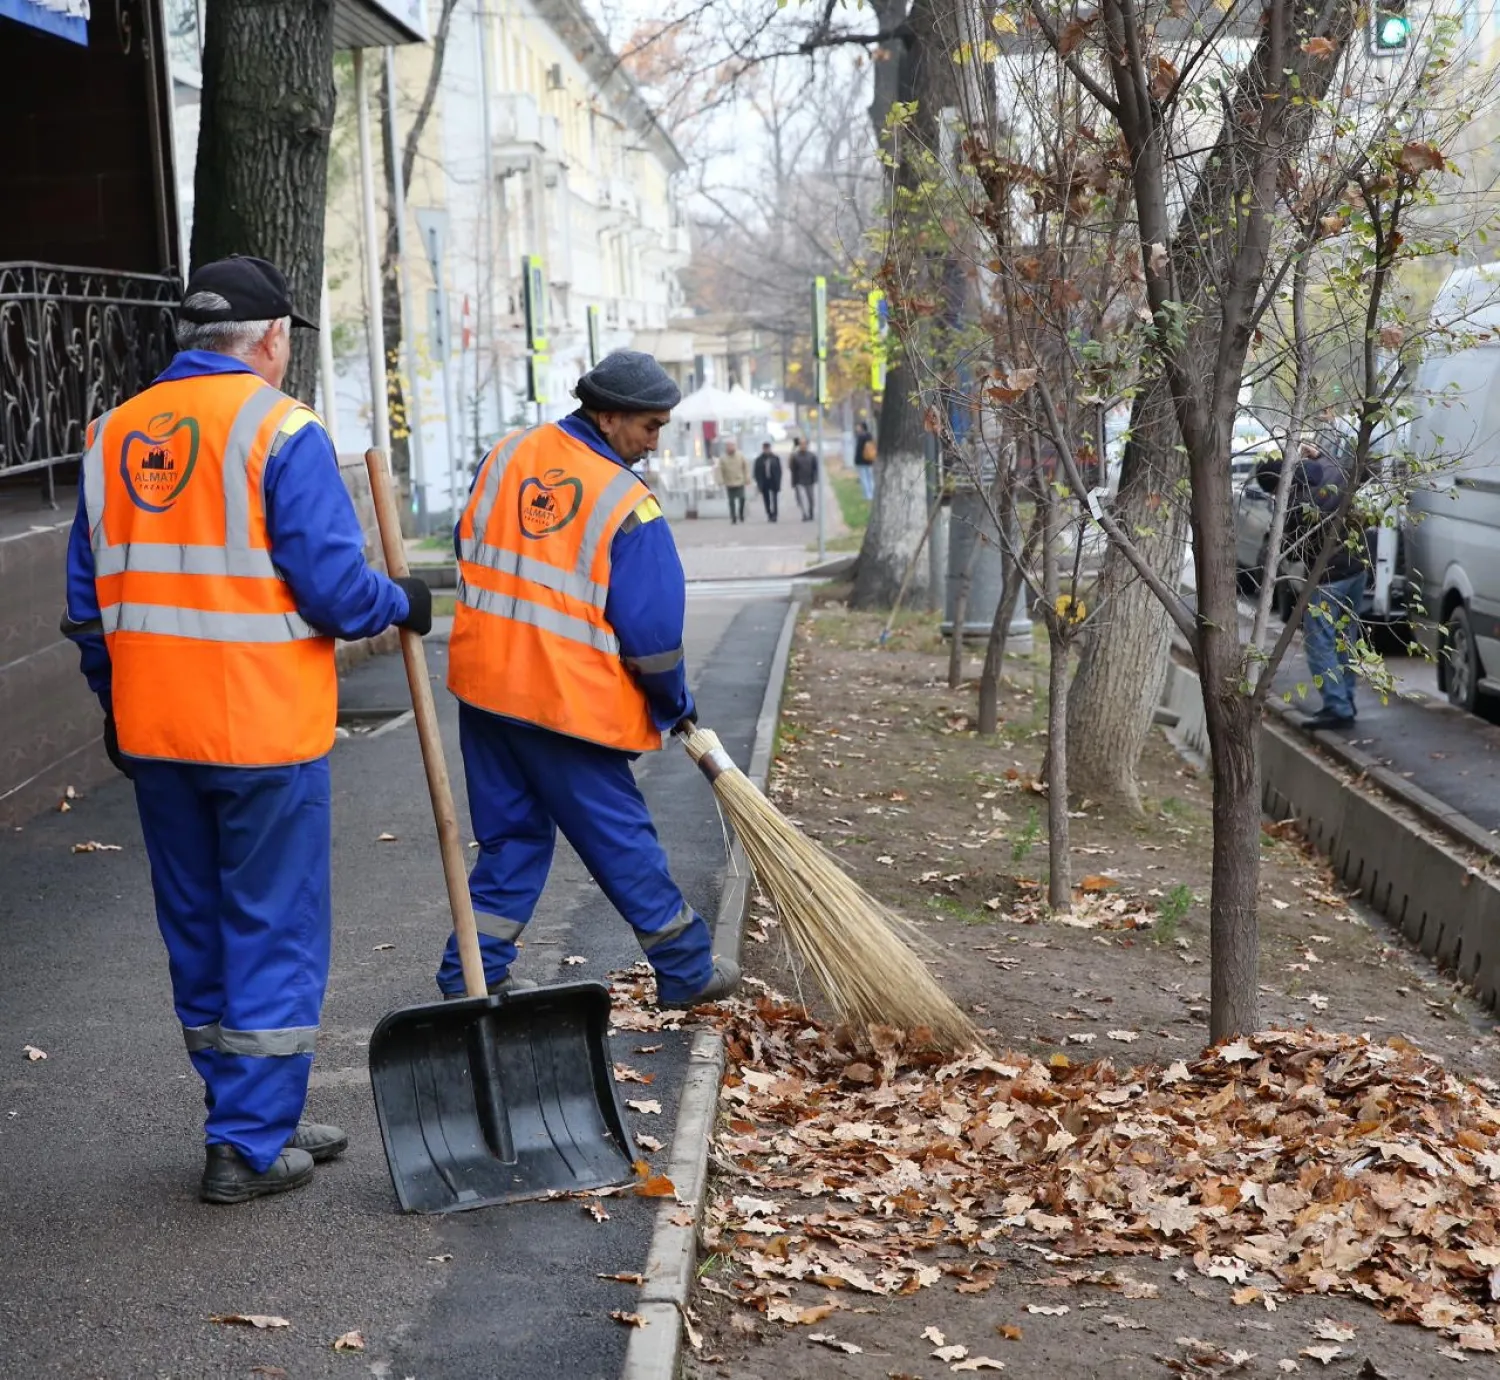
(73, 342)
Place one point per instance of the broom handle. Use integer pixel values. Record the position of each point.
(455, 874)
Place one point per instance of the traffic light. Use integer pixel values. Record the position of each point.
(1390, 28)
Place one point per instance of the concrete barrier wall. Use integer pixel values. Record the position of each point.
(1400, 865)
(50, 723)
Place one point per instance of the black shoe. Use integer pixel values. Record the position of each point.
(1328, 719)
(228, 1179)
(497, 989)
(320, 1141)
(723, 983)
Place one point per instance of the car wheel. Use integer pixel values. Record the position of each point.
(1461, 660)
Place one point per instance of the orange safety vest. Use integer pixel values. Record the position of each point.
(211, 662)
(530, 639)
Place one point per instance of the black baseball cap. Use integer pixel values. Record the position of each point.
(250, 289)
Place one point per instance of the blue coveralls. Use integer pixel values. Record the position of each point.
(240, 860)
(525, 783)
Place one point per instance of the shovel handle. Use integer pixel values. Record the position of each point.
(455, 873)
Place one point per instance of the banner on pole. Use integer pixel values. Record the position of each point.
(880, 329)
(534, 285)
(595, 354)
(820, 318)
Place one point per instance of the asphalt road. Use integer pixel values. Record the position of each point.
(111, 1267)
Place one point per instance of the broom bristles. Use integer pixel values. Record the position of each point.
(850, 942)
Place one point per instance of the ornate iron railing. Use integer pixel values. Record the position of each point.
(73, 342)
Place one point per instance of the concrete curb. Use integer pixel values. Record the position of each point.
(654, 1350)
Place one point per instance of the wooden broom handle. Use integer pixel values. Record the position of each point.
(455, 873)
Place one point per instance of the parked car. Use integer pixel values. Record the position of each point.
(1455, 535)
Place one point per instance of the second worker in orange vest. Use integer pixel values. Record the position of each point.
(567, 660)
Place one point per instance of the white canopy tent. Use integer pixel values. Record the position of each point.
(710, 404)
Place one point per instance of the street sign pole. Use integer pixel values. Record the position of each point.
(820, 387)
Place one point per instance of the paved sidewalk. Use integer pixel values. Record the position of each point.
(1451, 755)
(112, 1267)
(713, 548)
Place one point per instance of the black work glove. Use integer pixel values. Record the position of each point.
(687, 723)
(112, 747)
(419, 596)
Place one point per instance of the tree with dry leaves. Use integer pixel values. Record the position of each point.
(1152, 230)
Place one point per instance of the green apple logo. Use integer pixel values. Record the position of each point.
(548, 504)
(157, 463)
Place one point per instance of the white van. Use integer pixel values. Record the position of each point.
(1454, 534)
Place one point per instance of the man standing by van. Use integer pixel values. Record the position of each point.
(1316, 514)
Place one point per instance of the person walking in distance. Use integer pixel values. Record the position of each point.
(864, 459)
(567, 661)
(804, 467)
(214, 558)
(768, 479)
(734, 475)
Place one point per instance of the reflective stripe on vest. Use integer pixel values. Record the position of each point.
(205, 625)
(535, 615)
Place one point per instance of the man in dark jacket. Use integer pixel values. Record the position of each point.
(1330, 627)
(768, 479)
(804, 465)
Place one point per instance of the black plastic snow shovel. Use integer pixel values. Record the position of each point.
(489, 1099)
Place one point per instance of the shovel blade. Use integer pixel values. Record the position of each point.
(498, 1099)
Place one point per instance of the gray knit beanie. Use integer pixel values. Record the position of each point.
(628, 381)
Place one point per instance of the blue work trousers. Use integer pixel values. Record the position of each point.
(240, 864)
(1330, 628)
(524, 785)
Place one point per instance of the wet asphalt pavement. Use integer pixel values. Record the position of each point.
(111, 1267)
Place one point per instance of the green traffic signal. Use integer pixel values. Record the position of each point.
(1394, 30)
(1391, 29)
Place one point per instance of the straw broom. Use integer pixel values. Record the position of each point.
(852, 945)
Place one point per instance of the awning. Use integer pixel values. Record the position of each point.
(377, 23)
(67, 19)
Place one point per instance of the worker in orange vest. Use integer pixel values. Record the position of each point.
(567, 659)
(214, 558)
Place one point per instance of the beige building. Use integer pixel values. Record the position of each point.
(537, 143)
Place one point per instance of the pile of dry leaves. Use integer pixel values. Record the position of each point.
(1290, 1162)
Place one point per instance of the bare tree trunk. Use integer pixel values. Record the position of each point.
(1005, 612)
(1124, 663)
(1059, 856)
(1059, 872)
(898, 516)
(960, 615)
(927, 77)
(261, 184)
(1233, 722)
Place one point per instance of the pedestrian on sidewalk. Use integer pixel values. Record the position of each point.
(768, 479)
(804, 467)
(1330, 625)
(864, 459)
(567, 661)
(734, 475)
(214, 558)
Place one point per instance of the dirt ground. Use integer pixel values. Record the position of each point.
(878, 760)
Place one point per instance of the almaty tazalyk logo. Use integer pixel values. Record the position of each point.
(157, 463)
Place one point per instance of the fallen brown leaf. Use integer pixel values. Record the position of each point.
(259, 1320)
(627, 1319)
(350, 1341)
